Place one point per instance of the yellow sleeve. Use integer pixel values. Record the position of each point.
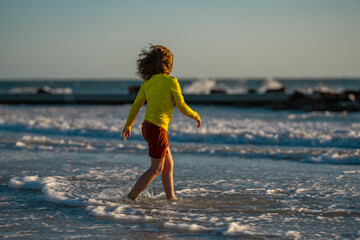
(135, 108)
(180, 102)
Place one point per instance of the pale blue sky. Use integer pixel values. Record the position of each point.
(252, 38)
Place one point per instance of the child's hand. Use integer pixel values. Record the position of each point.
(126, 132)
(199, 123)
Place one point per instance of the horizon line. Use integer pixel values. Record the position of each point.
(181, 78)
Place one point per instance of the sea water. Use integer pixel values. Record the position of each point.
(189, 86)
(247, 173)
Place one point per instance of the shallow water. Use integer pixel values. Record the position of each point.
(84, 194)
(65, 173)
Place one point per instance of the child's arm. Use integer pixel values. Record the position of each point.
(181, 105)
(135, 108)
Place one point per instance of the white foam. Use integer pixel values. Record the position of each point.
(19, 234)
(122, 213)
(61, 190)
(336, 157)
(228, 219)
(274, 191)
(231, 191)
(214, 219)
(20, 144)
(198, 191)
(28, 182)
(300, 190)
(87, 236)
(219, 181)
(49, 186)
(352, 172)
(255, 189)
(43, 147)
(293, 234)
(186, 227)
(323, 88)
(235, 228)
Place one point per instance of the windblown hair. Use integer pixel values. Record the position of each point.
(157, 60)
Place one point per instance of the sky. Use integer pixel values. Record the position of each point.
(224, 38)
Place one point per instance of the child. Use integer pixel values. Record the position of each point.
(160, 91)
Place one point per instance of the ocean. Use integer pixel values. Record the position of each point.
(188, 85)
(247, 173)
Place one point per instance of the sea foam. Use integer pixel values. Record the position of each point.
(49, 186)
(235, 228)
(224, 126)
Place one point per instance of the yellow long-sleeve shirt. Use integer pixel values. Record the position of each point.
(160, 92)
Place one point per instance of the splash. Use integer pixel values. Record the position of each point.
(270, 84)
(200, 86)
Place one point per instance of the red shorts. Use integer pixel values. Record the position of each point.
(157, 138)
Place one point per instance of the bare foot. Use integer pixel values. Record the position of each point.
(130, 198)
(173, 199)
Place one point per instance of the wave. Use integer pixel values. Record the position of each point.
(112, 204)
(234, 207)
(248, 151)
(256, 132)
(312, 137)
(201, 86)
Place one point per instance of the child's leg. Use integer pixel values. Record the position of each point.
(167, 176)
(157, 165)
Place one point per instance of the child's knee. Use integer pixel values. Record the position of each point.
(157, 170)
